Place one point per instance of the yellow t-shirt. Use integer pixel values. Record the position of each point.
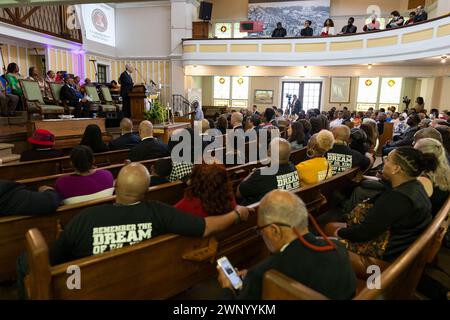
(313, 171)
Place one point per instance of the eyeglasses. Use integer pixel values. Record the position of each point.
(258, 230)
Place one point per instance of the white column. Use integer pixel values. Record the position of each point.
(183, 12)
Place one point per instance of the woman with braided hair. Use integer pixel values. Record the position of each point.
(381, 228)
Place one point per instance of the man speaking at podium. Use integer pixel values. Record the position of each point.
(126, 85)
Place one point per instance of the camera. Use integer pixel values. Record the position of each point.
(289, 96)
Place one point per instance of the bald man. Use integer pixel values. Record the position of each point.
(149, 147)
(282, 218)
(131, 220)
(341, 157)
(127, 139)
(258, 184)
(126, 85)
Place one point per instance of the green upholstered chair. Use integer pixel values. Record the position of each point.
(91, 91)
(55, 89)
(107, 98)
(35, 102)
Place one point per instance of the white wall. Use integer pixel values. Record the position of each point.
(143, 32)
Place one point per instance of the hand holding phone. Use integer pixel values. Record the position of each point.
(230, 272)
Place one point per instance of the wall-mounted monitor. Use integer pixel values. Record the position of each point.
(99, 23)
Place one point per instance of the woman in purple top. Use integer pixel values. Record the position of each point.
(87, 183)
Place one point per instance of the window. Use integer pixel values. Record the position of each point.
(228, 30)
(309, 92)
(101, 73)
(231, 91)
(379, 93)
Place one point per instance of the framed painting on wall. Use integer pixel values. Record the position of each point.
(340, 89)
(263, 97)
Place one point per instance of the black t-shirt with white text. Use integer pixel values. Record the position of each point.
(342, 158)
(256, 186)
(111, 226)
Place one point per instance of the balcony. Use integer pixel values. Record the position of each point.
(427, 39)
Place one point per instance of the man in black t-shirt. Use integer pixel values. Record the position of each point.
(131, 220)
(341, 157)
(257, 185)
(322, 266)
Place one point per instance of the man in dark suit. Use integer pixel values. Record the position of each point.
(307, 31)
(255, 110)
(68, 93)
(128, 139)
(279, 31)
(297, 253)
(421, 14)
(126, 84)
(297, 105)
(149, 147)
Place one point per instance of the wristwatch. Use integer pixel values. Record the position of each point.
(238, 216)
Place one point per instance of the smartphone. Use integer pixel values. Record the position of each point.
(229, 271)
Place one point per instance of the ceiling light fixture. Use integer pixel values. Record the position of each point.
(369, 66)
(444, 59)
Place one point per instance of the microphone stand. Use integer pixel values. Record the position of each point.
(3, 59)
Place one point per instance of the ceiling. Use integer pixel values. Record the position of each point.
(431, 61)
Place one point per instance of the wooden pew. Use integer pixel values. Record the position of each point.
(129, 273)
(46, 167)
(13, 228)
(388, 134)
(398, 281)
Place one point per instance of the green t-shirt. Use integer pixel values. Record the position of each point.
(13, 83)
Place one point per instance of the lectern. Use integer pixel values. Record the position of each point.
(137, 103)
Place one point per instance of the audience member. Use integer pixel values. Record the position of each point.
(421, 14)
(373, 25)
(317, 168)
(127, 139)
(92, 138)
(42, 142)
(15, 199)
(296, 253)
(328, 28)
(307, 31)
(341, 157)
(296, 134)
(405, 139)
(396, 20)
(349, 28)
(87, 183)
(209, 192)
(420, 104)
(149, 147)
(427, 133)
(181, 170)
(445, 134)
(319, 123)
(306, 129)
(279, 31)
(198, 111)
(50, 76)
(222, 124)
(439, 178)
(256, 185)
(412, 18)
(160, 172)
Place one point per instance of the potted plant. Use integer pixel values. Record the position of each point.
(156, 114)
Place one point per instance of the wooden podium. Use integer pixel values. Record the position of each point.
(137, 104)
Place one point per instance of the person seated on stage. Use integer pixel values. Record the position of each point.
(82, 237)
(256, 185)
(307, 31)
(127, 139)
(349, 28)
(77, 85)
(328, 28)
(8, 102)
(92, 138)
(407, 137)
(42, 142)
(384, 226)
(317, 168)
(69, 94)
(15, 199)
(160, 172)
(437, 182)
(33, 74)
(51, 76)
(373, 25)
(209, 192)
(114, 87)
(149, 147)
(341, 157)
(87, 183)
(279, 31)
(12, 76)
(296, 134)
(320, 264)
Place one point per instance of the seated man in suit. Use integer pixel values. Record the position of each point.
(319, 264)
(69, 94)
(149, 147)
(127, 139)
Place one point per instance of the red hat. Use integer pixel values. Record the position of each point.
(42, 137)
